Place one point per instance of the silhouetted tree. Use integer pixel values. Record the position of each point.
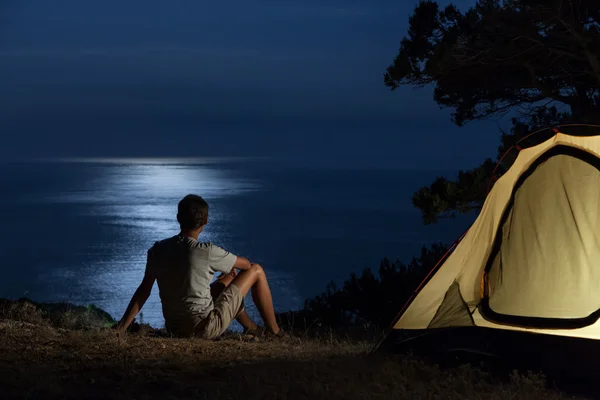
(538, 58)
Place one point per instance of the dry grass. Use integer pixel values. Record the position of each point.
(40, 360)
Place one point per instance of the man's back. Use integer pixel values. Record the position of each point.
(184, 269)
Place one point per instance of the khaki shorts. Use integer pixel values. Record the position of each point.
(227, 305)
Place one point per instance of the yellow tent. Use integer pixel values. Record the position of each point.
(531, 260)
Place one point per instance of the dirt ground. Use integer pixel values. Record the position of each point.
(42, 361)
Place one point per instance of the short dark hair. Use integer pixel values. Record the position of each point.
(192, 212)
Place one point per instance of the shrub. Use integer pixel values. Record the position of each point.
(366, 301)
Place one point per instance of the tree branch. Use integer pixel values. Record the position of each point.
(594, 63)
(584, 44)
(538, 85)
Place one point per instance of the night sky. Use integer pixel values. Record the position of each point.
(298, 78)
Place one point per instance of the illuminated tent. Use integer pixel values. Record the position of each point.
(531, 260)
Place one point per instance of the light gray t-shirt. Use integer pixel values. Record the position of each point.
(184, 269)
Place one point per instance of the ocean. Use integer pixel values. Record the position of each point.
(79, 230)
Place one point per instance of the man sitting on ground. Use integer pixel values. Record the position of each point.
(184, 268)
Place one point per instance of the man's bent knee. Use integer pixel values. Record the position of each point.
(257, 269)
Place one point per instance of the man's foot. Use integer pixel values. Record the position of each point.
(281, 335)
(259, 331)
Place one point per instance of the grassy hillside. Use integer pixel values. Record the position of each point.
(66, 353)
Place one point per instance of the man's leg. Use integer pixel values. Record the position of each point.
(242, 317)
(255, 280)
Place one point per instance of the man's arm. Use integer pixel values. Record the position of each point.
(137, 301)
(242, 263)
(225, 262)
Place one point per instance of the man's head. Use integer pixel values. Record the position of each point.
(192, 213)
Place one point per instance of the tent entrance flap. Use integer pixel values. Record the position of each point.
(544, 270)
(453, 311)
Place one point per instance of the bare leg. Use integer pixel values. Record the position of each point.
(243, 318)
(255, 280)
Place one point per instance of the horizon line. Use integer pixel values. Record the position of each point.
(140, 160)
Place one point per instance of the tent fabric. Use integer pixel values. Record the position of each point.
(453, 311)
(543, 264)
(549, 262)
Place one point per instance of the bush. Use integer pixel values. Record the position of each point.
(366, 301)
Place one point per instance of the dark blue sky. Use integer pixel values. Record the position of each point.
(301, 78)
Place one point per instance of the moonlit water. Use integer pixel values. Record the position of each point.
(79, 231)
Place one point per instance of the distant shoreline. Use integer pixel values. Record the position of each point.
(138, 160)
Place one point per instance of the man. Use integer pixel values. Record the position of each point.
(184, 269)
